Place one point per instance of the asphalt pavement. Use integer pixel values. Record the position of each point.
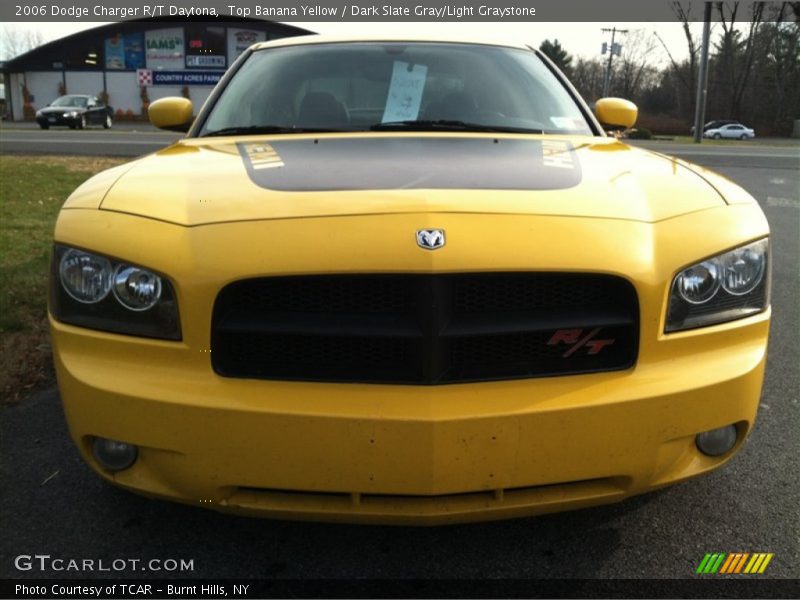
(53, 504)
(124, 140)
(135, 138)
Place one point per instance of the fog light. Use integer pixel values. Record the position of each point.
(716, 441)
(113, 455)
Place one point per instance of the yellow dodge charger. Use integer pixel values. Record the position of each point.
(406, 281)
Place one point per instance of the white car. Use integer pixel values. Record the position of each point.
(733, 131)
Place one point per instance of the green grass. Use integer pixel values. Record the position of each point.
(688, 139)
(31, 193)
(32, 190)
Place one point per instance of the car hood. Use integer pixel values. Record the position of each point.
(211, 180)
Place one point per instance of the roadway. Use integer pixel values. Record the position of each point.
(127, 140)
(53, 504)
(135, 139)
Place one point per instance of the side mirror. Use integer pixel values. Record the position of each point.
(174, 113)
(616, 112)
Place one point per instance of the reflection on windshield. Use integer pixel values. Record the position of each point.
(75, 101)
(414, 86)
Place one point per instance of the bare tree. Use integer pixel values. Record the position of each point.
(587, 77)
(632, 69)
(737, 54)
(15, 41)
(686, 71)
(776, 69)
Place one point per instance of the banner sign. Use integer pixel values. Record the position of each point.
(134, 50)
(186, 77)
(240, 40)
(124, 51)
(165, 49)
(205, 60)
(115, 52)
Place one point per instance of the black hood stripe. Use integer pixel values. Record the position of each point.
(391, 163)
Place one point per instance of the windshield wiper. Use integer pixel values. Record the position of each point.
(257, 129)
(449, 125)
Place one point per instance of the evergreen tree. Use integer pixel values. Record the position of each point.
(555, 52)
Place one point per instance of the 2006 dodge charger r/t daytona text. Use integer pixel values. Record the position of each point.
(406, 282)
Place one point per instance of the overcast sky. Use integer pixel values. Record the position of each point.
(581, 39)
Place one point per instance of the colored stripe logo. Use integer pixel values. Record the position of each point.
(734, 563)
(263, 156)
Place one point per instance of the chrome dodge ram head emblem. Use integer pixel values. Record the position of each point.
(430, 239)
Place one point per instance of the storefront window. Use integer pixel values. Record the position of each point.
(205, 47)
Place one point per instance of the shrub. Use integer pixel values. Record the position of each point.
(640, 133)
(664, 124)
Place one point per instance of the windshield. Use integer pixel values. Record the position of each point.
(416, 86)
(75, 101)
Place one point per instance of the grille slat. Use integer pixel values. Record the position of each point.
(366, 325)
(544, 320)
(424, 329)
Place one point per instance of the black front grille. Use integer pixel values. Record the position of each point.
(424, 329)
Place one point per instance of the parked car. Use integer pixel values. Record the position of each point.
(714, 124)
(406, 281)
(733, 131)
(75, 111)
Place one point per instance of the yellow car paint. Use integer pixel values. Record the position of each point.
(616, 111)
(171, 113)
(406, 454)
(203, 181)
(421, 451)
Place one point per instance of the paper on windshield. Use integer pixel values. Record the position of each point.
(405, 92)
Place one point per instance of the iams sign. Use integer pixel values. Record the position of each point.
(164, 44)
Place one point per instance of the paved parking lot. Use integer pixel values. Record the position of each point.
(52, 504)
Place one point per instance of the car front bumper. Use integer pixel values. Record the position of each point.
(404, 453)
(58, 120)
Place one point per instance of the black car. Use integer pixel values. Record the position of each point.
(75, 110)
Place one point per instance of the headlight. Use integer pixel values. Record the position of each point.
(141, 301)
(700, 282)
(722, 288)
(743, 269)
(85, 277)
(135, 288)
(72, 113)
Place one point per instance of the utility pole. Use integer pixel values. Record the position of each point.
(613, 49)
(702, 78)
